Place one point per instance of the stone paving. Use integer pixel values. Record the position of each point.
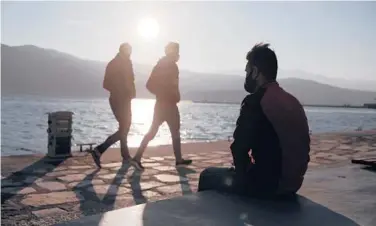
(50, 192)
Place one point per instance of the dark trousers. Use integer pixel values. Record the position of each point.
(123, 113)
(225, 180)
(163, 112)
(222, 180)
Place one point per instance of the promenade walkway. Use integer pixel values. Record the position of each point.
(40, 191)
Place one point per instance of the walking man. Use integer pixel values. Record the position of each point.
(119, 81)
(164, 84)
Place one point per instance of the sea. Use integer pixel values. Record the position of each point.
(24, 121)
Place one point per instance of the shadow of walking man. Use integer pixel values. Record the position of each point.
(92, 198)
(27, 176)
(89, 201)
(184, 181)
(116, 188)
(135, 179)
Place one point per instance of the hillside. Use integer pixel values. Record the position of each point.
(30, 70)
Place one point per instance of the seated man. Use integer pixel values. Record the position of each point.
(271, 140)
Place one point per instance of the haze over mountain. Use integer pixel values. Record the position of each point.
(30, 70)
(358, 84)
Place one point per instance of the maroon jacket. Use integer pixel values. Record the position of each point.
(119, 78)
(164, 81)
(289, 120)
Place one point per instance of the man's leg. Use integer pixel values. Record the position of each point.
(222, 180)
(126, 121)
(173, 122)
(119, 110)
(157, 121)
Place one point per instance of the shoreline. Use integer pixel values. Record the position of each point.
(366, 106)
(190, 142)
(76, 152)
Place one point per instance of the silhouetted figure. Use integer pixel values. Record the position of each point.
(164, 84)
(271, 140)
(119, 81)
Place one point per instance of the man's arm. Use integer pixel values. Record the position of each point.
(129, 83)
(175, 91)
(289, 122)
(279, 112)
(164, 81)
(286, 117)
(112, 82)
(107, 83)
(241, 145)
(153, 82)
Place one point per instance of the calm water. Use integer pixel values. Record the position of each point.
(24, 121)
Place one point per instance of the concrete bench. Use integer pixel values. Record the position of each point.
(211, 208)
(81, 145)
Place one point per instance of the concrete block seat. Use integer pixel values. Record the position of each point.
(211, 208)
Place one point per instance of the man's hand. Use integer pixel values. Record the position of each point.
(232, 167)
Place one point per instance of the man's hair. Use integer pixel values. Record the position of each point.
(125, 47)
(172, 47)
(264, 59)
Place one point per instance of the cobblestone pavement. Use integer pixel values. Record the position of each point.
(49, 192)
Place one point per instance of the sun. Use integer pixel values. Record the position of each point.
(148, 28)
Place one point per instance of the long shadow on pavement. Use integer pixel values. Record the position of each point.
(138, 197)
(89, 201)
(112, 192)
(27, 176)
(92, 203)
(184, 181)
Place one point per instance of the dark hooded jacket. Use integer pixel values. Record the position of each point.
(119, 78)
(164, 81)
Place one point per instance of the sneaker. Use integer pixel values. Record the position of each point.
(96, 157)
(183, 162)
(136, 164)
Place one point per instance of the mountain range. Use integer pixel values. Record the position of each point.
(31, 70)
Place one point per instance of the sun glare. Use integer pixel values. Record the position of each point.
(148, 28)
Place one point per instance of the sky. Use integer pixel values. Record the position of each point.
(334, 39)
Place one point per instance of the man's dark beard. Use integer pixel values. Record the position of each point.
(250, 84)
